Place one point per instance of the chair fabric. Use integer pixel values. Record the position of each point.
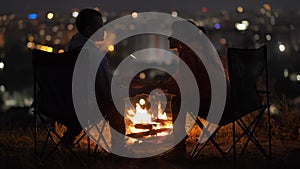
(52, 74)
(246, 67)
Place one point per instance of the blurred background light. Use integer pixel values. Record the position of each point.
(56, 41)
(61, 51)
(223, 41)
(31, 38)
(240, 26)
(48, 38)
(240, 9)
(294, 77)
(50, 15)
(217, 26)
(30, 45)
(131, 26)
(75, 14)
(245, 22)
(55, 29)
(42, 32)
(204, 10)
(110, 48)
(142, 75)
(262, 10)
(45, 48)
(134, 15)
(267, 7)
(281, 48)
(298, 78)
(256, 37)
(97, 9)
(2, 88)
(1, 65)
(285, 73)
(174, 13)
(268, 37)
(70, 27)
(32, 16)
(104, 19)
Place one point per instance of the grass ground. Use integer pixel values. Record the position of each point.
(17, 150)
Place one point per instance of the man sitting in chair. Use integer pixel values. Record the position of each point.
(88, 22)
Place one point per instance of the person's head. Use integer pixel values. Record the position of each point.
(203, 30)
(179, 28)
(88, 22)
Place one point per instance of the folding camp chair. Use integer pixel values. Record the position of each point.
(247, 68)
(52, 74)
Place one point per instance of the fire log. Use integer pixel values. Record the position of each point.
(147, 133)
(161, 121)
(143, 126)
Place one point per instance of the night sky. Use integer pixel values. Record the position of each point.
(25, 6)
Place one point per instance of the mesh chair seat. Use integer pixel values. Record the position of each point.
(53, 93)
(53, 74)
(246, 67)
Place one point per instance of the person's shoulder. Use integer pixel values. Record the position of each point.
(77, 41)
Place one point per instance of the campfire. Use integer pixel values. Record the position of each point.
(144, 122)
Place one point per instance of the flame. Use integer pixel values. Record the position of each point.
(161, 115)
(141, 115)
(156, 118)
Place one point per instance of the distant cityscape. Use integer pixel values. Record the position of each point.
(52, 30)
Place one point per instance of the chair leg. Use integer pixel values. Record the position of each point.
(78, 140)
(248, 140)
(57, 145)
(253, 139)
(101, 137)
(89, 145)
(212, 140)
(269, 131)
(35, 133)
(195, 151)
(44, 144)
(233, 141)
(49, 136)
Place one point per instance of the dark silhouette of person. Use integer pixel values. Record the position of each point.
(198, 69)
(88, 22)
(200, 73)
(170, 85)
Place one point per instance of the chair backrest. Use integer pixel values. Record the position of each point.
(53, 75)
(245, 67)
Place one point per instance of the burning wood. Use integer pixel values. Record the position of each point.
(142, 123)
(147, 133)
(144, 126)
